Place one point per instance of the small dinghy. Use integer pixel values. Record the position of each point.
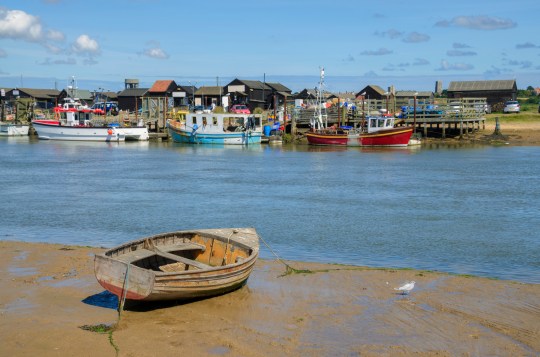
(179, 265)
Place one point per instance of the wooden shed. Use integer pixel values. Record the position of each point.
(496, 92)
(206, 95)
(372, 92)
(130, 99)
(44, 98)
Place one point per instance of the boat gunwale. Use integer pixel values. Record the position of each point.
(253, 249)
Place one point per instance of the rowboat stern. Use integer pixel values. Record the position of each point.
(123, 279)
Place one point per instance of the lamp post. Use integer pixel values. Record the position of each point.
(100, 98)
(414, 124)
(363, 111)
(192, 92)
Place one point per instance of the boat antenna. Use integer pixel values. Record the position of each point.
(72, 87)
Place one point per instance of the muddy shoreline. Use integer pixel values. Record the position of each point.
(49, 292)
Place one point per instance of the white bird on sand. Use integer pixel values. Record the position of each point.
(406, 288)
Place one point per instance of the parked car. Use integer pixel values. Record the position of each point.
(482, 108)
(110, 107)
(200, 109)
(240, 109)
(511, 106)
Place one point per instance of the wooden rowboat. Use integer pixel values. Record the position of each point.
(179, 265)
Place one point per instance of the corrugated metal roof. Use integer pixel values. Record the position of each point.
(278, 87)
(41, 93)
(133, 92)
(255, 84)
(210, 90)
(508, 84)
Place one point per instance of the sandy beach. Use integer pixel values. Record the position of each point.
(49, 292)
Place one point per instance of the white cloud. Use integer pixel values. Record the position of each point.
(527, 45)
(520, 64)
(156, 52)
(392, 33)
(53, 49)
(379, 52)
(460, 45)
(415, 37)
(85, 45)
(17, 24)
(446, 66)
(55, 35)
(456, 53)
(478, 23)
(420, 62)
(50, 62)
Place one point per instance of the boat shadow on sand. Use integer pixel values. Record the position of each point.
(108, 300)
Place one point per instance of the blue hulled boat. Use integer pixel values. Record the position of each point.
(216, 128)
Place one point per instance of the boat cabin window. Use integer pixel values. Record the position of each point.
(204, 121)
(214, 120)
(194, 120)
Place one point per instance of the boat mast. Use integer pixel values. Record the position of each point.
(320, 117)
(72, 87)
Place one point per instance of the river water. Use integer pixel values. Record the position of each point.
(466, 210)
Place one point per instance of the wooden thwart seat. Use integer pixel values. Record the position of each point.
(182, 246)
(182, 259)
(163, 251)
(135, 255)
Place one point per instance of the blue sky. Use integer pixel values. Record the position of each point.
(410, 45)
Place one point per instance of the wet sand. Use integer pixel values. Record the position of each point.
(49, 291)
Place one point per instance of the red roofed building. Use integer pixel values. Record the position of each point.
(162, 88)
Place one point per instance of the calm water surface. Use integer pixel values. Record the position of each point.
(469, 210)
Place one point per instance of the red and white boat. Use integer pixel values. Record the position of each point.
(381, 131)
(73, 122)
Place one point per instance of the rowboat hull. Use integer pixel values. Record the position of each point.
(393, 137)
(51, 130)
(179, 265)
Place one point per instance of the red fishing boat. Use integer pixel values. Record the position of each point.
(381, 131)
(321, 134)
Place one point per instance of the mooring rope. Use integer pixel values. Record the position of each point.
(124, 291)
(289, 269)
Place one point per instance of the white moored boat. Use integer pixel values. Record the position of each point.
(11, 129)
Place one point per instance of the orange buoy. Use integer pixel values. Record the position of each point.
(110, 131)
